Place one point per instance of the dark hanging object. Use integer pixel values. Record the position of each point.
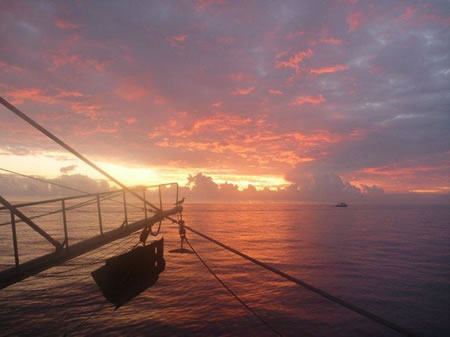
(125, 276)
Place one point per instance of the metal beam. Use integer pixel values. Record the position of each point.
(30, 268)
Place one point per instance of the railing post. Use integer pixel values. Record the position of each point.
(99, 215)
(160, 199)
(145, 202)
(14, 235)
(125, 208)
(66, 236)
(176, 201)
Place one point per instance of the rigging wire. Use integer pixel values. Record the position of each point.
(43, 180)
(254, 313)
(403, 331)
(66, 187)
(81, 204)
(77, 154)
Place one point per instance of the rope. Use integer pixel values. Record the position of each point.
(260, 318)
(403, 331)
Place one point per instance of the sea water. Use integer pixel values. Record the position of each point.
(392, 260)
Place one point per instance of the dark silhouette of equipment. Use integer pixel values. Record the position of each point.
(125, 276)
(182, 232)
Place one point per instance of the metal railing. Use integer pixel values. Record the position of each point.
(94, 198)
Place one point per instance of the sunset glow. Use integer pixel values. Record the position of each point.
(265, 94)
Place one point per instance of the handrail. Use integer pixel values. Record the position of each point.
(98, 194)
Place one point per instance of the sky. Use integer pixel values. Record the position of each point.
(324, 99)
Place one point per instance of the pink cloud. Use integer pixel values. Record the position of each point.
(243, 91)
(66, 93)
(18, 96)
(217, 104)
(91, 110)
(63, 24)
(100, 129)
(331, 69)
(275, 92)
(409, 12)
(178, 40)
(10, 68)
(309, 99)
(354, 20)
(294, 61)
(129, 90)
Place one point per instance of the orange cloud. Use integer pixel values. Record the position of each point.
(62, 24)
(275, 92)
(294, 61)
(309, 99)
(354, 20)
(331, 69)
(130, 121)
(243, 91)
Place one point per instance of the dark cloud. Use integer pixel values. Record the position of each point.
(67, 169)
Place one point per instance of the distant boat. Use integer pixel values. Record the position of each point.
(342, 204)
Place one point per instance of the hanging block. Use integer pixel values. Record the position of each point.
(125, 276)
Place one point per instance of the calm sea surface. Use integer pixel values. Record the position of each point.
(391, 260)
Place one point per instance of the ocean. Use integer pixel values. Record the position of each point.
(392, 260)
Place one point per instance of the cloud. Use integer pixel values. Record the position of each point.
(18, 96)
(331, 69)
(177, 41)
(130, 90)
(67, 169)
(275, 92)
(15, 186)
(63, 24)
(354, 20)
(331, 40)
(8, 67)
(243, 91)
(90, 82)
(293, 61)
(308, 99)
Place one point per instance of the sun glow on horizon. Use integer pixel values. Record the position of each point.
(50, 165)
